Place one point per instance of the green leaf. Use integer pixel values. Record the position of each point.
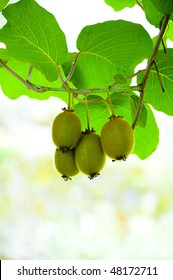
(13, 88)
(32, 35)
(163, 44)
(161, 101)
(118, 5)
(152, 14)
(147, 139)
(169, 33)
(4, 56)
(124, 44)
(92, 71)
(98, 113)
(119, 79)
(142, 120)
(107, 49)
(165, 7)
(145, 145)
(3, 3)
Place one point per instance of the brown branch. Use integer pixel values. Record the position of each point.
(149, 65)
(40, 89)
(139, 4)
(135, 74)
(26, 83)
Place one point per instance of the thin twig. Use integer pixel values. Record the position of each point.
(26, 83)
(140, 5)
(148, 69)
(158, 75)
(135, 74)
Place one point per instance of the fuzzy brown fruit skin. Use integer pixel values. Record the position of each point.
(66, 130)
(90, 158)
(65, 163)
(117, 138)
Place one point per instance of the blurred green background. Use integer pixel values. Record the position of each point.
(125, 213)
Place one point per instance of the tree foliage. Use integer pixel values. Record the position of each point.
(36, 62)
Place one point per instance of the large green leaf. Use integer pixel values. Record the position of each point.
(152, 14)
(118, 5)
(93, 71)
(33, 35)
(13, 88)
(145, 145)
(122, 43)
(163, 6)
(3, 3)
(161, 101)
(107, 49)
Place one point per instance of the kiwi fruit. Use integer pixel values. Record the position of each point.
(117, 138)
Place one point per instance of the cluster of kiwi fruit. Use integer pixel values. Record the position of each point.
(86, 152)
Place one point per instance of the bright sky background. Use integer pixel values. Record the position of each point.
(72, 16)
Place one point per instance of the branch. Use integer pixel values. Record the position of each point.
(148, 69)
(26, 83)
(66, 88)
(135, 74)
(140, 5)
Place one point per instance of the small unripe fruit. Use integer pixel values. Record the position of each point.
(66, 130)
(117, 138)
(90, 158)
(65, 163)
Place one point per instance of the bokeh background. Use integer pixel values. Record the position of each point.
(125, 213)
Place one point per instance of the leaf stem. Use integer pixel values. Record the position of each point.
(30, 73)
(70, 74)
(149, 66)
(26, 83)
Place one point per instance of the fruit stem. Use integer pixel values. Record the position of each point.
(110, 102)
(72, 102)
(87, 114)
(69, 97)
